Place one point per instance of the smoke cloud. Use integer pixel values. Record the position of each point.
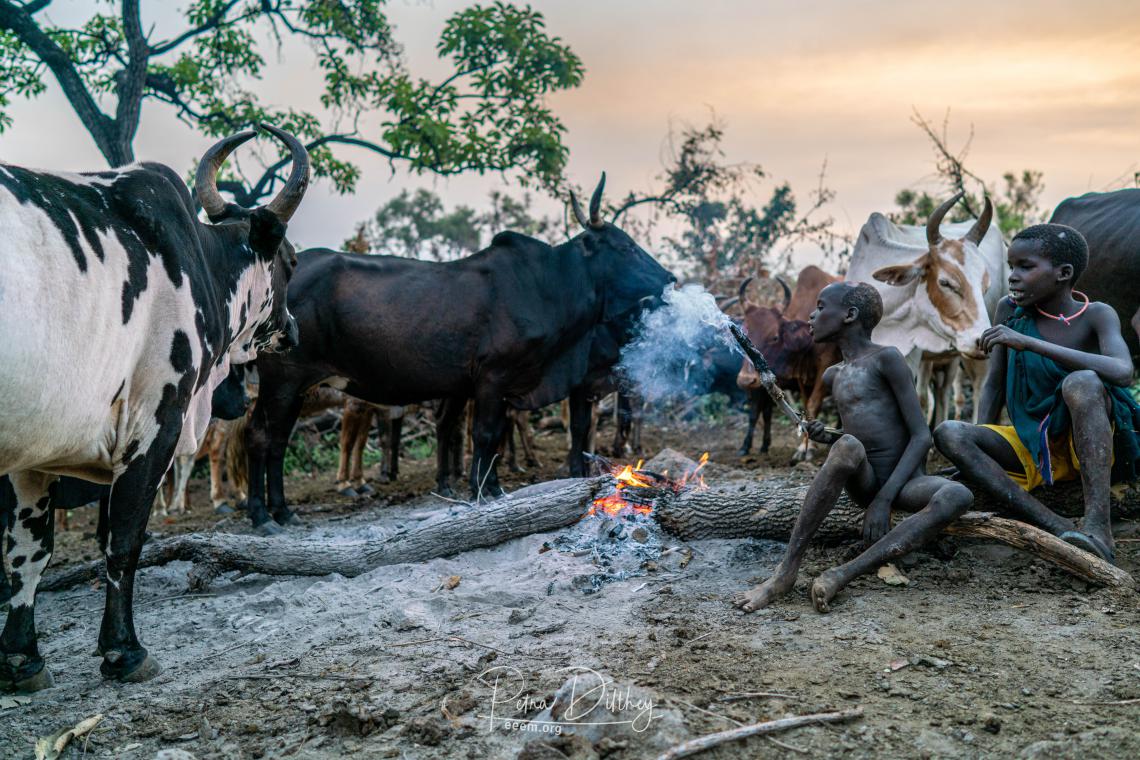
(670, 358)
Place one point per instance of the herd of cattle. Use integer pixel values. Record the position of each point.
(125, 322)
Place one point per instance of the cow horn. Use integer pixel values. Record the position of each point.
(596, 204)
(742, 295)
(787, 293)
(982, 226)
(933, 235)
(206, 180)
(578, 213)
(290, 196)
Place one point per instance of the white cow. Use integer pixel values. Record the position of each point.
(940, 286)
(119, 314)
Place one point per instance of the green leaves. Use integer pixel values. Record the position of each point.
(487, 114)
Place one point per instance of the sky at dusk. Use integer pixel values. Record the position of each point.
(1048, 85)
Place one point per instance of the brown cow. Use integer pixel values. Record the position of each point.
(782, 335)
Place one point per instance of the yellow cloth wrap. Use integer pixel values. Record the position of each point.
(1066, 465)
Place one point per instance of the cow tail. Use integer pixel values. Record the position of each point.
(237, 469)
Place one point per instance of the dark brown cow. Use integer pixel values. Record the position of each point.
(782, 335)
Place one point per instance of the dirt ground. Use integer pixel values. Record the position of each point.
(985, 653)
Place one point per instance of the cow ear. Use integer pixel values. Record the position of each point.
(901, 274)
(266, 232)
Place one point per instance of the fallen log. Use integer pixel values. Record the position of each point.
(538, 509)
(768, 509)
(739, 508)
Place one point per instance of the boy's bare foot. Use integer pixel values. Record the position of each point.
(824, 589)
(767, 592)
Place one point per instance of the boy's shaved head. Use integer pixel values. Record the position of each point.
(1061, 243)
(866, 299)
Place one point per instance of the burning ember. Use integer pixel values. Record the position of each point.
(635, 489)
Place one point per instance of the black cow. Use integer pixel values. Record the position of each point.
(119, 313)
(1110, 223)
(522, 323)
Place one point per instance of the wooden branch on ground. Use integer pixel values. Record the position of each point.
(768, 509)
(729, 508)
(1043, 544)
(702, 743)
(538, 509)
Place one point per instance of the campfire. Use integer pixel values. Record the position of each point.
(636, 490)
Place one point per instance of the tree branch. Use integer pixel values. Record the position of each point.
(132, 80)
(33, 8)
(214, 22)
(16, 19)
(263, 185)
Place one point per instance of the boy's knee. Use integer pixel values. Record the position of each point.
(950, 435)
(955, 498)
(847, 451)
(1082, 387)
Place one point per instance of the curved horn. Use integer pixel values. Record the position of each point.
(206, 180)
(982, 226)
(290, 196)
(742, 295)
(578, 213)
(596, 204)
(933, 236)
(787, 293)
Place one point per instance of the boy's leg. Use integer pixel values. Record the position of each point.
(846, 465)
(1090, 409)
(938, 503)
(984, 457)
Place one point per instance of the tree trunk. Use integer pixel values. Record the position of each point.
(729, 509)
(537, 509)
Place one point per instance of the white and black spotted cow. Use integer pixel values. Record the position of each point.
(119, 313)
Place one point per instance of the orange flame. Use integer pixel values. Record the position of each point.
(631, 477)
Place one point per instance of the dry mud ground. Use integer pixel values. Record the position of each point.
(989, 653)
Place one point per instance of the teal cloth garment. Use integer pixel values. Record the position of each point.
(1038, 412)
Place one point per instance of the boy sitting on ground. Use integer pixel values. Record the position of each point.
(1060, 367)
(878, 458)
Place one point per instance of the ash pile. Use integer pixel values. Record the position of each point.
(620, 534)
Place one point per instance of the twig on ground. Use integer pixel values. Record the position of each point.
(172, 598)
(788, 747)
(1109, 703)
(313, 676)
(700, 744)
(755, 695)
(703, 710)
(465, 641)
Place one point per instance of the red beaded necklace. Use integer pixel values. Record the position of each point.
(1062, 317)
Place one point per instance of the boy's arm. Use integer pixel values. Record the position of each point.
(894, 368)
(815, 429)
(1113, 363)
(991, 398)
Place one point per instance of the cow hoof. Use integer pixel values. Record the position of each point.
(121, 669)
(289, 519)
(23, 674)
(350, 492)
(446, 492)
(268, 528)
(366, 490)
(224, 509)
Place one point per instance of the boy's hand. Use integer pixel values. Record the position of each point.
(817, 431)
(1002, 335)
(876, 521)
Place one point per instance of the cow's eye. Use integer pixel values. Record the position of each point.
(949, 285)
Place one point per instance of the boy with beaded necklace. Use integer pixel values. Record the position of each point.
(1061, 368)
